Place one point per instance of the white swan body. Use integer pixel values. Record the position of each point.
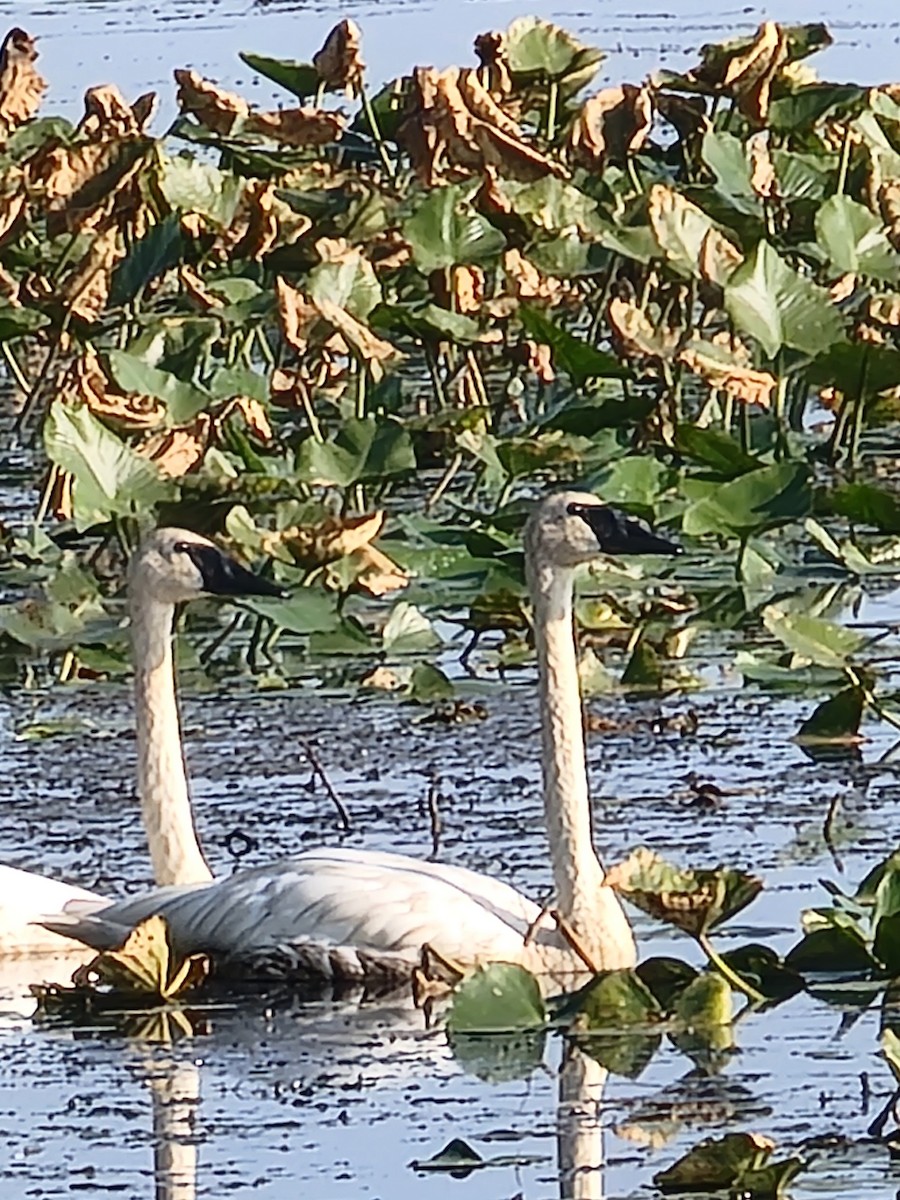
(24, 899)
(350, 913)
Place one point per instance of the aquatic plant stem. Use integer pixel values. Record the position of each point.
(844, 161)
(15, 370)
(736, 981)
(375, 130)
(552, 104)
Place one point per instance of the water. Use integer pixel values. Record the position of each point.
(136, 45)
(333, 1099)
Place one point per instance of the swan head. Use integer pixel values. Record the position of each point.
(176, 565)
(568, 528)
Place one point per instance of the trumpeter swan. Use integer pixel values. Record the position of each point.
(352, 914)
(173, 564)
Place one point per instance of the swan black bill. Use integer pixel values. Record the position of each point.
(222, 576)
(620, 534)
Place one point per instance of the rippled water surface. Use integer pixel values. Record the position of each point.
(329, 1099)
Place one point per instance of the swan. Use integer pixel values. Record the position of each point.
(345, 914)
(25, 897)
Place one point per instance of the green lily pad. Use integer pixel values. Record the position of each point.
(767, 299)
(498, 998)
(446, 231)
(299, 78)
(757, 500)
(579, 359)
(363, 448)
(694, 901)
(110, 480)
(821, 642)
(136, 377)
(737, 1163)
(854, 239)
(835, 720)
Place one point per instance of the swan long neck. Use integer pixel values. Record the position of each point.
(577, 871)
(162, 781)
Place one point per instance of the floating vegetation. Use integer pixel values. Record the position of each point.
(138, 982)
(354, 344)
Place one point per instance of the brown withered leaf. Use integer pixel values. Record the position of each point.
(762, 170)
(888, 196)
(313, 546)
(748, 76)
(491, 52)
(611, 125)
(540, 361)
(378, 574)
(297, 314)
(466, 291)
(339, 63)
(686, 114)
(297, 126)
(108, 114)
(193, 286)
(146, 964)
(719, 258)
(9, 287)
(638, 335)
(213, 107)
(526, 281)
(453, 128)
(21, 87)
(389, 251)
(180, 450)
(261, 222)
(364, 344)
(78, 186)
(86, 291)
(885, 308)
(13, 201)
(725, 372)
(255, 416)
(85, 382)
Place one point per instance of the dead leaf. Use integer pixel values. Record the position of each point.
(80, 186)
(298, 315)
(611, 125)
(686, 114)
(13, 200)
(491, 52)
(297, 126)
(313, 546)
(213, 107)
(636, 334)
(86, 291)
(453, 128)
(539, 361)
(526, 281)
(885, 308)
(194, 287)
(889, 206)
(713, 363)
(718, 258)
(466, 291)
(762, 170)
(21, 87)
(181, 450)
(108, 114)
(147, 964)
(255, 417)
(365, 345)
(378, 574)
(339, 63)
(747, 75)
(381, 678)
(85, 382)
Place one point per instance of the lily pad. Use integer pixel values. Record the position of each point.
(498, 998)
(757, 500)
(694, 901)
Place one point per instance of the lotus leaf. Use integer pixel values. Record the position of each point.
(693, 901)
